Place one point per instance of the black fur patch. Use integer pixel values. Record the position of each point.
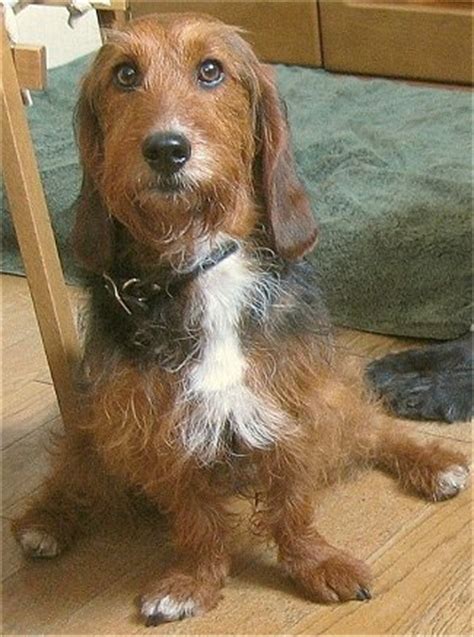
(159, 330)
(433, 383)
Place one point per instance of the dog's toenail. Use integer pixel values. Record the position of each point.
(155, 620)
(363, 594)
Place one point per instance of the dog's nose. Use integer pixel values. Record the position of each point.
(166, 152)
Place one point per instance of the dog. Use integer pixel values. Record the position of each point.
(209, 365)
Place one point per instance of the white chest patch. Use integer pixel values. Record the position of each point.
(219, 398)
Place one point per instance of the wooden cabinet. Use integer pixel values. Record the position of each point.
(418, 39)
(280, 31)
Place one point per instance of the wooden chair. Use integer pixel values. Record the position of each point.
(24, 67)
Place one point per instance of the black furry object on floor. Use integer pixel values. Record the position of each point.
(430, 383)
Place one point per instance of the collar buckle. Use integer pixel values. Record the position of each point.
(129, 294)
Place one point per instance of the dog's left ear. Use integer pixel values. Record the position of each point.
(93, 231)
(285, 200)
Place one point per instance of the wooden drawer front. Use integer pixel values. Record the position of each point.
(280, 31)
(404, 39)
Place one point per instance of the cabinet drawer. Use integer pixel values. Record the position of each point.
(414, 39)
(285, 32)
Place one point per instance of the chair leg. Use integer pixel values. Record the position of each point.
(37, 245)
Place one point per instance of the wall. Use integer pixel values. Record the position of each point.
(48, 26)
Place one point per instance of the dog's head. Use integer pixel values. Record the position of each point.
(182, 135)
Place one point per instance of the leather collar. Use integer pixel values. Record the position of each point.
(136, 295)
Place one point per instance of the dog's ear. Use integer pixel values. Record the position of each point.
(92, 235)
(286, 203)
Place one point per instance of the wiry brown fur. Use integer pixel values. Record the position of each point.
(127, 441)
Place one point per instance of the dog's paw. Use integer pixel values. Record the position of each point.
(338, 578)
(38, 543)
(177, 597)
(451, 481)
(156, 610)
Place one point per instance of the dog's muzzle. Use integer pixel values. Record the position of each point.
(166, 152)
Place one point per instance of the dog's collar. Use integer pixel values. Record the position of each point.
(134, 294)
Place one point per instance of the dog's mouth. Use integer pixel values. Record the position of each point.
(168, 185)
(168, 188)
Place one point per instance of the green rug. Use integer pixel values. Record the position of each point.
(388, 167)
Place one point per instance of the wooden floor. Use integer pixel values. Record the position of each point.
(420, 553)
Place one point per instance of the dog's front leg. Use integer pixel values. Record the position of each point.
(77, 490)
(326, 573)
(192, 585)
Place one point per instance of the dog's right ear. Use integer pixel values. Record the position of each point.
(92, 235)
(285, 201)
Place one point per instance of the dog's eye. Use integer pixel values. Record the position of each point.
(126, 77)
(210, 73)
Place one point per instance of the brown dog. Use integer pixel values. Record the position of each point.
(209, 364)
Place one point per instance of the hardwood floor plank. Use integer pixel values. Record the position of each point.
(25, 463)
(23, 362)
(26, 410)
(449, 612)
(368, 345)
(12, 560)
(17, 310)
(414, 572)
(55, 589)
(457, 431)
